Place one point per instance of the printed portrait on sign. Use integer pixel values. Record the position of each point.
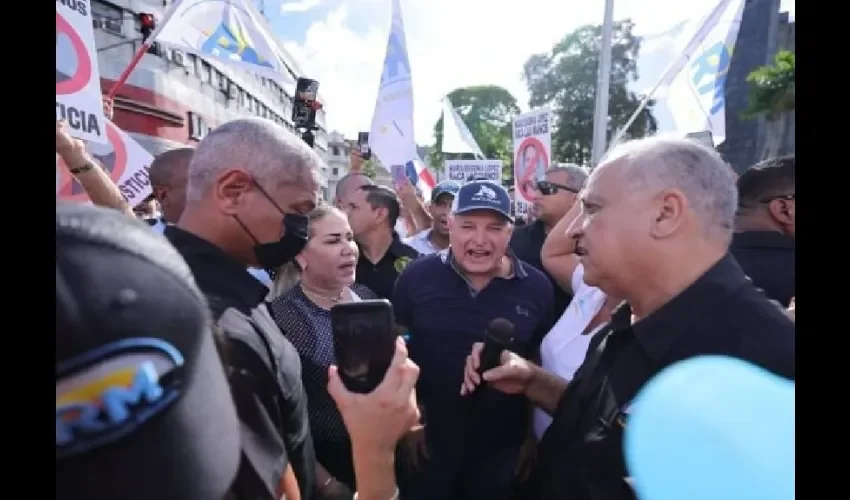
(66, 58)
(531, 166)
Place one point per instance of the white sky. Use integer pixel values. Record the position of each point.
(451, 44)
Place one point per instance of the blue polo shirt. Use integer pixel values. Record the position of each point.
(445, 316)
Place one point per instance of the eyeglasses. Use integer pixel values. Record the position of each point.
(547, 188)
(787, 197)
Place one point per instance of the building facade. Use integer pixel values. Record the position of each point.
(764, 31)
(338, 160)
(173, 98)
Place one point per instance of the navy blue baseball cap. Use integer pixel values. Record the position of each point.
(445, 187)
(483, 195)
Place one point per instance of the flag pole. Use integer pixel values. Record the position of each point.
(676, 64)
(137, 58)
(600, 115)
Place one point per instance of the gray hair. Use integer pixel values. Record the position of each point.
(170, 167)
(272, 154)
(697, 170)
(576, 176)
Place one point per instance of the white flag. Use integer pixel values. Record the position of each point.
(456, 136)
(697, 95)
(231, 31)
(391, 136)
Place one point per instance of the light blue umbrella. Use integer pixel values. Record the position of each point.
(712, 428)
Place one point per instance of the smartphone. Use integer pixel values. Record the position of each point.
(399, 175)
(363, 144)
(364, 342)
(303, 112)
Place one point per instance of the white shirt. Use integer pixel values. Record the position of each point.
(564, 348)
(401, 228)
(421, 242)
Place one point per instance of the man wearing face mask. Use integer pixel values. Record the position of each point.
(250, 184)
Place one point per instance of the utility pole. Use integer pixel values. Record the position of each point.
(600, 115)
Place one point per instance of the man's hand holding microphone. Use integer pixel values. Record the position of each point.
(513, 374)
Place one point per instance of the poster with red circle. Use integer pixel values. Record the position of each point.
(122, 157)
(78, 94)
(532, 152)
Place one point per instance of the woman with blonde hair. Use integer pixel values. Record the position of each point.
(321, 276)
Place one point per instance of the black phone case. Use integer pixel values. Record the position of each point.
(364, 342)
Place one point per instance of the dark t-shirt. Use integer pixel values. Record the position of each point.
(527, 242)
(769, 259)
(380, 277)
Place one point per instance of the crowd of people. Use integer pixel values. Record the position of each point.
(195, 353)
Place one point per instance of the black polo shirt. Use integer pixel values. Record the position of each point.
(380, 277)
(581, 455)
(527, 242)
(768, 258)
(264, 372)
(445, 317)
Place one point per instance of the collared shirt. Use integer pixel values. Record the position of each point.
(445, 317)
(421, 242)
(768, 258)
(264, 371)
(581, 454)
(564, 348)
(527, 243)
(381, 277)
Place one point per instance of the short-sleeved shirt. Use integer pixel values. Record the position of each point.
(581, 454)
(380, 277)
(445, 317)
(263, 368)
(769, 259)
(527, 242)
(308, 327)
(564, 348)
(421, 242)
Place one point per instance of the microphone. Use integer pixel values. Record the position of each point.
(497, 337)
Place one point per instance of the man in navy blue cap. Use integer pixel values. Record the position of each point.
(446, 301)
(437, 237)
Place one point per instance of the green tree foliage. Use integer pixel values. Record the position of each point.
(369, 168)
(565, 79)
(772, 88)
(487, 110)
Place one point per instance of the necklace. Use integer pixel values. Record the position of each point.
(315, 295)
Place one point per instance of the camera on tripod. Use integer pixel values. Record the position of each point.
(304, 108)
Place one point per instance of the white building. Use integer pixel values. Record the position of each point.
(173, 98)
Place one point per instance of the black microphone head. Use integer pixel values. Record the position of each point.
(501, 331)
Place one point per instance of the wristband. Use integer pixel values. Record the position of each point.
(82, 169)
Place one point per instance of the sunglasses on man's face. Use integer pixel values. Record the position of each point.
(547, 188)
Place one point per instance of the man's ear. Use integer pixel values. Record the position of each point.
(670, 213)
(230, 188)
(781, 211)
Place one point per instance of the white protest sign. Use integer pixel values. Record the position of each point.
(462, 170)
(532, 150)
(125, 160)
(78, 98)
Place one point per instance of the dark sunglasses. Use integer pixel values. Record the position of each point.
(787, 197)
(547, 188)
